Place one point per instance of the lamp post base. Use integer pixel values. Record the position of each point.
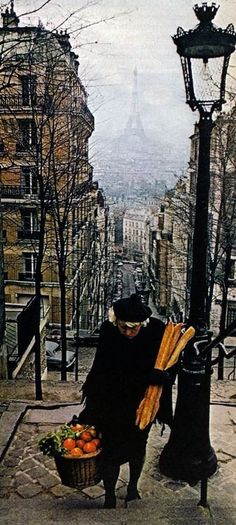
(187, 468)
(188, 455)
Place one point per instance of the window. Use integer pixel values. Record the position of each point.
(48, 106)
(232, 274)
(29, 264)
(29, 228)
(29, 181)
(231, 314)
(27, 136)
(28, 84)
(29, 221)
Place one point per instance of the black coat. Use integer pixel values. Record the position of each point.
(116, 384)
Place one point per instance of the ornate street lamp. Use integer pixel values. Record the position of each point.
(204, 52)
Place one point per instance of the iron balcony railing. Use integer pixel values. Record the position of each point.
(17, 191)
(28, 234)
(26, 276)
(18, 101)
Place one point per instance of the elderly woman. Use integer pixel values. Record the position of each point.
(122, 369)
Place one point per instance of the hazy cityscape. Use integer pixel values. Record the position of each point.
(117, 187)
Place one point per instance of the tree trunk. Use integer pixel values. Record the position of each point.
(77, 328)
(62, 281)
(224, 306)
(2, 296)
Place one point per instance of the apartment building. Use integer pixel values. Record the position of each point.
(135, 233)
(54, 215)
(176, 229)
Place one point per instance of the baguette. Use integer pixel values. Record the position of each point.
(190, 332)
(172, 344)
(175, 337)
(163, 354)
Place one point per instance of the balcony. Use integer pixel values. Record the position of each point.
(80, 108)
(11, 191)
(26, 276)
(10, 102)
(28, 235)
(16, 192)
(86, 114)
(25, 148)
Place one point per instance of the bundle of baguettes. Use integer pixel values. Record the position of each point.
(172, 344)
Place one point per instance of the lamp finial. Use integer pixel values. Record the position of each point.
(205, 13)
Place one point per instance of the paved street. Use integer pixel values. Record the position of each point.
(128, 279)
(31, 490)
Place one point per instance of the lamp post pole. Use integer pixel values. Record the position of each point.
(188, 455)
(198, 291)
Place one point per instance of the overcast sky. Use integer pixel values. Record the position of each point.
(135, 33)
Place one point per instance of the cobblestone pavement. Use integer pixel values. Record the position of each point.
(26, 474)
(26, 471)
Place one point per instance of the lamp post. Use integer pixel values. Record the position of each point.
(204, 52)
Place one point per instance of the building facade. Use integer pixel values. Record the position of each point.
(135, 233)
(54, 215)
(176, 232)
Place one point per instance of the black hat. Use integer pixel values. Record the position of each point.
(132, 309)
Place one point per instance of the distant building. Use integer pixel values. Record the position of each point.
(135, 237)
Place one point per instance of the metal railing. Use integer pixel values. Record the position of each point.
(28, 235)
(35, 101)
(17, 191)
(26, 276)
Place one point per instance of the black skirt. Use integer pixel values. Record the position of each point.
(124, 446)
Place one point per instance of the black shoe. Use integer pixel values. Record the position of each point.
(110, 502)
(131, 495)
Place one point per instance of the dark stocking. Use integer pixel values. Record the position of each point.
(135, 468)
(110, 477)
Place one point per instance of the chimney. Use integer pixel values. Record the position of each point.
(9, 18)
(64, 41)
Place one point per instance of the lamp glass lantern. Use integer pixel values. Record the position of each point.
(205, 52)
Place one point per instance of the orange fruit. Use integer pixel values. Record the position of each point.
(80, 443)
(76, 452)
(69, 443)
(92, 431)
(77, 427)
(86, 436)
(89, 447)
(97, 442)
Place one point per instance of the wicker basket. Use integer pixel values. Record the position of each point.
(79, 472)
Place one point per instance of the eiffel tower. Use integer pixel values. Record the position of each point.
(134, 124)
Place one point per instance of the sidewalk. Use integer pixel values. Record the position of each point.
(31, 491)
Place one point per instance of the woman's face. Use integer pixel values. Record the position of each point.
(128, 331)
